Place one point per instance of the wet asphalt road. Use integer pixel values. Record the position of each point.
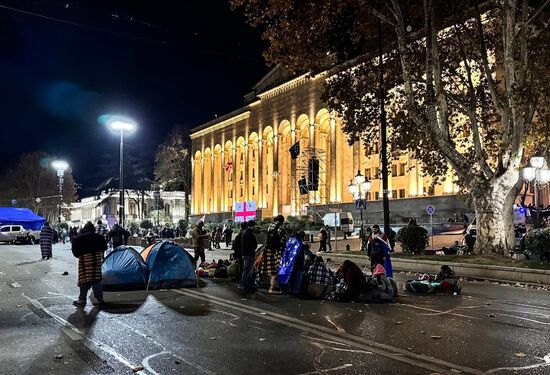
(216, 330)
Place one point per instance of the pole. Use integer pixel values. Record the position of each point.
(536, 199)
(432, 230)
(383, 151)
(121, 179)
(60, 196)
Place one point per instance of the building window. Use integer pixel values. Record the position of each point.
(375, 173)
(394, 170)
(401, 193)
(376, 195)
(241, 159)
(253, 190)
(429, 190)
(402, 169)
(242, 192)
(394, 193)
(230, 195)
(367, 173)
(253, 172)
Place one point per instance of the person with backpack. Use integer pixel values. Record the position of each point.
(237, 247)
(275, 243)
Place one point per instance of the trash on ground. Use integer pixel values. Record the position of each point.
(138, 368)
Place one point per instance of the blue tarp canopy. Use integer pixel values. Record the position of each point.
(124, 269)
(170, 266)
(21, 216)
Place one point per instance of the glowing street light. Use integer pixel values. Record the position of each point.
(122, 125)
(60, 166)
(537, 173)
(359, 187)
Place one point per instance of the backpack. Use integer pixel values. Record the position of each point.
(273, 240)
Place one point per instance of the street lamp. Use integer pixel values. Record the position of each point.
(60, 166)
(122, 125)
(359, 187)
(537, 173)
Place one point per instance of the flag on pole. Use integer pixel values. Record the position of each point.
(295, 150)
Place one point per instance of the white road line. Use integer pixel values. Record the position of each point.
(344, 366)
(145, 362)
(527, 319)
(437, 311)
(88, 340)
(536, 365)
(24, 317)
(384, 350)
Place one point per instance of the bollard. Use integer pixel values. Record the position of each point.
(348, 248)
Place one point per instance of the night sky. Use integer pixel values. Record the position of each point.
(159, 62)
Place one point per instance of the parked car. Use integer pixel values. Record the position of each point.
(11, 233)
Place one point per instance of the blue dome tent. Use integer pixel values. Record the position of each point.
(124, 269)
(170, 266)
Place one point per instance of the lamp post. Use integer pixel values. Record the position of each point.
(60, 166)
(121, 126)
(359, 187)
(537, 173)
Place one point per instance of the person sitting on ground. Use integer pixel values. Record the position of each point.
(448, 280)
(352, 282)
(319, 280)
(379, 286)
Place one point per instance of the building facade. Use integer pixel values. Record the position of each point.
(164, 207)
(244, 155)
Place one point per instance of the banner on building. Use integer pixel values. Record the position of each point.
(244, 211)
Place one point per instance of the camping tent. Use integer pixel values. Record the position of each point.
(124, 269)
(170, 266)
(21, 216)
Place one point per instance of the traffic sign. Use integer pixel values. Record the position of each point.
(430, 210)
(360, 204)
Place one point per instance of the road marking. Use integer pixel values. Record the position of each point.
(437, 311)
(24, 317)
(401, 355)
(344, 366)
(15, 285)
(145, 362)
(88, 340)
(71, 334)
(527, 319)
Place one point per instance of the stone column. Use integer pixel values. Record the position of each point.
(213, 186)
(193, 192)
(246, 172)
(260, 174)
(222, 182)
(234, 173)
(275, 189)
(204, 199)
(293, 194)
(333, 171)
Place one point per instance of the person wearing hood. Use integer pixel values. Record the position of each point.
(119, 236)
(380, 286)
(88, 247)
(352, 282)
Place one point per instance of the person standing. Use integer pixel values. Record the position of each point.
(88, 247)
(379, 237)
(118, 235)
(237, 247)
(46, 241)
(323, 237)
(249, 244)
(228, 233)
(275, 243)
(198, 236)
(102, 230)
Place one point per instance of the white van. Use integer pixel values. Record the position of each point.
(518, 219)
(344, 220)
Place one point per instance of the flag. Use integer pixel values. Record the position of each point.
(228, 167)
(295, 150)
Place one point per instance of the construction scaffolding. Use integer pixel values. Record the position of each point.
(309, 188)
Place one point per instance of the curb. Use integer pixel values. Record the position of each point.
(476, 271)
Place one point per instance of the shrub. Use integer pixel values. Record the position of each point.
(146, 224)
(413, 239)
(537, 241)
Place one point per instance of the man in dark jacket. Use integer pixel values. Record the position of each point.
(248, 248)
(88, 247)
(237, 247)
(119, 236)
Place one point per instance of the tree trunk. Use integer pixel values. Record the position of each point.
(494, 216)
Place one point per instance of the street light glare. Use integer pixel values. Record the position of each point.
(60, 164)
(122, 125)
(537, 162)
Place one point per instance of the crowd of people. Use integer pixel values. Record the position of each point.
(285, 264)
